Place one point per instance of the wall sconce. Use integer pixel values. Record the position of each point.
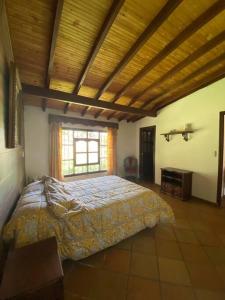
(185, 136)
(167, 137)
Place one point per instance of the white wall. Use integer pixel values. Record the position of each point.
(198, 154)
(126, 143)
(37, 141)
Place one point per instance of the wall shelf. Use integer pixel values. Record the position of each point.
(184, 133)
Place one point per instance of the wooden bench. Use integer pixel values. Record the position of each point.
(33, 272)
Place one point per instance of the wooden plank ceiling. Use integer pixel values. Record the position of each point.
(138, 54)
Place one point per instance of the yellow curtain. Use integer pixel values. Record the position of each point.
(56, 150)
(111, 151)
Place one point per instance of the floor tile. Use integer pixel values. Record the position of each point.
(208, 238)
(142, 289)
(216, 254)
(126, 244)
(173, 271)
(165, 232)
(79, 280)
(145, 245)
(108, 285)
(186, 236)
(176, 292)
(169, 249)
(182, 223)
(221, 272)
(117, 260)
(144, 266)
(194, 253)
(95, 260)
(204, 276)
(209, 295)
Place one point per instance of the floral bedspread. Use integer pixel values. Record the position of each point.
(86, 216)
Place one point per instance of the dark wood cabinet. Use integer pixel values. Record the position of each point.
(176, 182)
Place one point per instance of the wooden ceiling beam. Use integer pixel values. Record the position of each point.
(66, 107)
(204, 18)
(84, 111)
(113, 12)
(191, 76)
(149, 31)
(136, 119)
(210, 79)
(111, 115)
(123, 117)
(55, 31)
(190, 59)
(98, 113)
(77, 99)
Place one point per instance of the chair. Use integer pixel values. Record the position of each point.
(130, 167)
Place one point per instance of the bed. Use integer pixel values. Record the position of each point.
(86, 216)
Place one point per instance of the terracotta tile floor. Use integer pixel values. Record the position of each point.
(184, 261)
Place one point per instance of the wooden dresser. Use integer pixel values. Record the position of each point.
(176, 182)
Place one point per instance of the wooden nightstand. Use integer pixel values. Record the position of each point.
(33, 272)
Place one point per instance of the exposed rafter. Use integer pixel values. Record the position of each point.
(100, 39)
(111, 115)
(191, 76)
(135, 119)
(123, 117)
(55, 31)
(191, 58)
(211, 78)
(204, 18)
(149, 31)
(113, 12)
(70, 98)
(98, 114)
(84, 111)
(44, 104)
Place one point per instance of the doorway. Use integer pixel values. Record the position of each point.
(221, 161)
(147, 153)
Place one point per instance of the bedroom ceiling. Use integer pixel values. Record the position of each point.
(140, 54)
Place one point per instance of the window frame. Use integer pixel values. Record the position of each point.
(74, 151)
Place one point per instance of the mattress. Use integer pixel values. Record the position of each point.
(86, 216)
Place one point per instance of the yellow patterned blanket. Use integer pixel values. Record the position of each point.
(86, 216)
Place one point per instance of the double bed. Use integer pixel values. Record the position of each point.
(86, 216)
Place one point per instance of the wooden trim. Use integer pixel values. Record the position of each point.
(67, 97)
(55, 31)
(98, 113)
(163, 14)
(204, 18)
(87, 173)
(111, 115)
(136, 119)
(113, 12)
(5, 33)
(66, 107)
(123, 117)
(191, 58)
(84, 111)
(220, 158)
(44, 104)
(211, 78)
(71, 120)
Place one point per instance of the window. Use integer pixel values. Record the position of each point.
(83, 151)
